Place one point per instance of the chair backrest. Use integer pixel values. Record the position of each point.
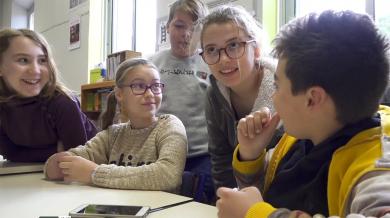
(193, 186)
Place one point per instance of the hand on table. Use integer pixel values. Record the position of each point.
(77, 169)
(53, 171)
(235, 204)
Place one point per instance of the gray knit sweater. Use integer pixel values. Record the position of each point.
(186, 81)
(152, 158)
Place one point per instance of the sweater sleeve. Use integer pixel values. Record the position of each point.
(219, 147)
(72, 125)
(249, 173)
(164, 174)
(369, 198)
(17, 153)
(97, 149)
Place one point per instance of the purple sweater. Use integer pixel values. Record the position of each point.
(31, 128)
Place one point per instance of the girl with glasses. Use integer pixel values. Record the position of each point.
(147, 153)
(39, 116)
(233, 45)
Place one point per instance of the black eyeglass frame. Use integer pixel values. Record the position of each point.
(242, 43)
(132, 86)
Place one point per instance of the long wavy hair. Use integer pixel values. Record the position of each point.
(52, 87)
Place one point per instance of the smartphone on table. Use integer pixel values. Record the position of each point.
(103, 210)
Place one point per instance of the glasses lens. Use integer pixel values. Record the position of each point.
(138, 88)
(156, 88)
(210, 55)
(235, 49)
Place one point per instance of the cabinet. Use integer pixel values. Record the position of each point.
(94, 98)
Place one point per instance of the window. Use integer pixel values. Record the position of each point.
(31, 21)
(306, 6)
(378, 9)
(382, 15)
(123, 25)
(133, 25)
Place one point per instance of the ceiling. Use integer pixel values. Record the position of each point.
(26, 4)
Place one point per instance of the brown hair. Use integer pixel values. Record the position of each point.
(53, 85)
(126, 67)
(239, 16)
(197, 9)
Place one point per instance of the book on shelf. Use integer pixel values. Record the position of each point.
(97, 101)
(114, 59)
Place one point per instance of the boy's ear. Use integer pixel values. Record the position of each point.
(316, 96)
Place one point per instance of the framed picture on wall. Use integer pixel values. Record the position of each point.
(74, 3)
(74, 33)
(162, 38)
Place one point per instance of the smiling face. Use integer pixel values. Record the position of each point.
(180, 31)
(24, 67)
(230, 72)
(141, 109)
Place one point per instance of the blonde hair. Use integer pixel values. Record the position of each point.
(52, 86)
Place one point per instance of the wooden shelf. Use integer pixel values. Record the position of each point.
(98, 85)
(92, 97)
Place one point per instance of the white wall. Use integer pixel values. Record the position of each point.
(19, 16)
(52, 20)
(12, 15)
(5, 14)
(1, 14)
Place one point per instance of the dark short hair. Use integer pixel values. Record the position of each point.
(342, 52)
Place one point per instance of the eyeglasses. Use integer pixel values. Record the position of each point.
(234, 50)
(140, 88)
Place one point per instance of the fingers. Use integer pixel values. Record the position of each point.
(257, 122)
(251, 189)
(254, 123)
(66, 158)
(272, 124)
(223, 191)
(65, 164)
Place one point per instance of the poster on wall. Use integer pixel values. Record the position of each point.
(74, 33)
(74, 3)
(162, 34)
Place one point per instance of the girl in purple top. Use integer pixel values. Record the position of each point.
(38, 115)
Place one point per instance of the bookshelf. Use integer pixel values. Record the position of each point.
(94, 98)
(114, 59)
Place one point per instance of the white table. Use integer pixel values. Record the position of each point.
(30, 196)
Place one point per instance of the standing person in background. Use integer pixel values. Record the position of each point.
(38, 115)
(242, 81)
(148, 152)
(186, 78)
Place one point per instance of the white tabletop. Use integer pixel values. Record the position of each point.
(30, 196)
